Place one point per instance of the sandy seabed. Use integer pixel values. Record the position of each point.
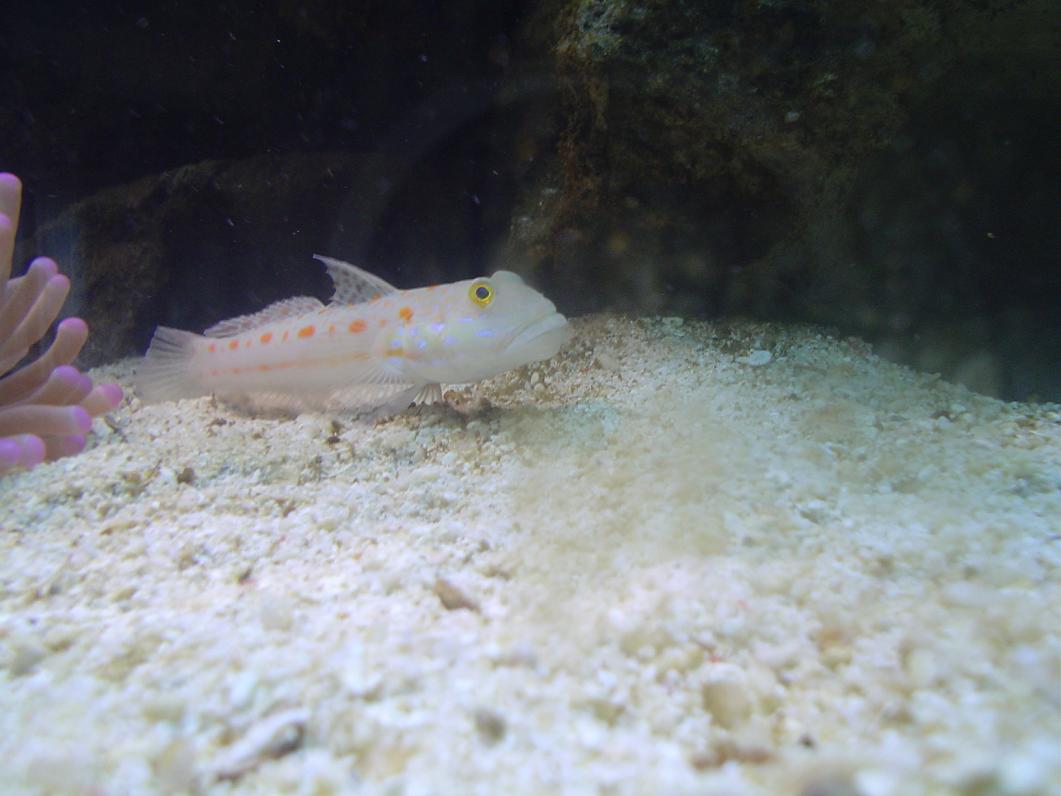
(679, 558)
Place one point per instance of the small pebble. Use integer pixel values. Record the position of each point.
(490, 725)
(272, 737)
(728, 702)
(757, 358)
(452, 597)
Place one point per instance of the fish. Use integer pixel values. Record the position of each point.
(373, 347)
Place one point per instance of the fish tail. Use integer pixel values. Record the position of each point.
(166, 373)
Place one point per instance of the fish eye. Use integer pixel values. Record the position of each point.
(481, 293)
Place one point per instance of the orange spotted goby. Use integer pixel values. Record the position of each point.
(373, 346)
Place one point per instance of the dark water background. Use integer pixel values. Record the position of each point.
(886, 169)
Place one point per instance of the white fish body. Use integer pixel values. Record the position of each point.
(373, 346)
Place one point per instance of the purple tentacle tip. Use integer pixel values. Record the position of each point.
(10, 453)
(23, 450)
(48, 265)
(113, 392)
(81, 418)
(68, 374)
(73, 324)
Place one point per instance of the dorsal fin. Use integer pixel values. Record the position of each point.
(352, 284)
(286, 308)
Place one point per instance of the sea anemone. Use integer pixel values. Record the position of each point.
(46, 405)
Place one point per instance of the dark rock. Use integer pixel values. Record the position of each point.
(849, 164)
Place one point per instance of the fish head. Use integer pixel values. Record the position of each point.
(498, 323)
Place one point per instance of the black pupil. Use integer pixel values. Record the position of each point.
(481, 292)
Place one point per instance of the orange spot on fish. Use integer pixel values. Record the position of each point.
(233, 345)
(375, 296)
(307, 331)
(356, 326)
(406, 314)
(265, 338)
(246, 343)
(212, 348)
(382, 322)
(331, 329)
(264, 368)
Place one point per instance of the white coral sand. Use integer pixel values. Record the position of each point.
(663, 562)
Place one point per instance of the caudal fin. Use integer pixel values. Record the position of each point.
(165, 373)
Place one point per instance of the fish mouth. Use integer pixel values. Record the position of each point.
(544, 335)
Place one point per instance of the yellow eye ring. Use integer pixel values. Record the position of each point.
(481, 293)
